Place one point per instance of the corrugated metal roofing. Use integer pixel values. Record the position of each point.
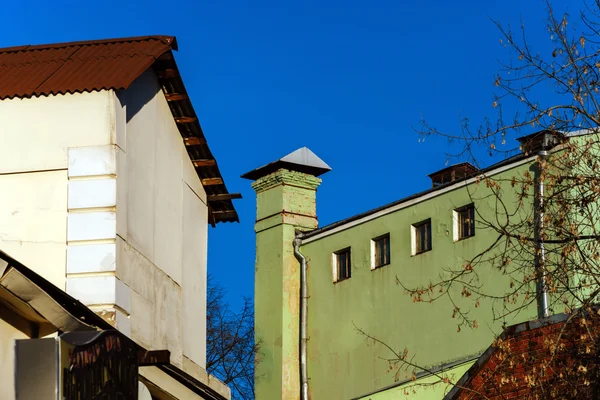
(78, 66)
(94, 65)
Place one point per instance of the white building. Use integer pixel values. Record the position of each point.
(108, 187)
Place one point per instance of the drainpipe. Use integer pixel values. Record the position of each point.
(303, 314)
(540, 255)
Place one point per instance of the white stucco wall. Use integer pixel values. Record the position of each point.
(33, 221)
(162, 235)
(36, 133)
(99, 197)
(35, 137)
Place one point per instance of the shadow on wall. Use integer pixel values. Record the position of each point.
(146, 90)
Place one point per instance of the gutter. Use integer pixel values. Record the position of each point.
(303, 319)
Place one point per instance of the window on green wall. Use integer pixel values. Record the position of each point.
(464, 222)
(342, 265)
(421, 237)
(380, 251)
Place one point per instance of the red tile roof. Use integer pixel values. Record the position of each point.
(93, 65)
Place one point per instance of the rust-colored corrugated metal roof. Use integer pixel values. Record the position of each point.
(93, 65)
(78, 66)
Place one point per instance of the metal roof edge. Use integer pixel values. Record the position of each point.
(220, 209)
(66, 301)
(501, 166)
(172, 40)
(87, 317)
(191, 383)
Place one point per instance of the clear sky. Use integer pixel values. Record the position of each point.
(348, 79)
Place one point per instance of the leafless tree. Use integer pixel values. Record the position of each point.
(556, 92)
(230, 347)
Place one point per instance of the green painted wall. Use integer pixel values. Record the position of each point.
(285, 204)
(268, 298)
(342, 364)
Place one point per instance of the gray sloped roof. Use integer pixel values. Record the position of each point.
(301, 160)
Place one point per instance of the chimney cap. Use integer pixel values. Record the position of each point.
(301, 160)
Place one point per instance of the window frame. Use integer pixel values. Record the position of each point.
(414, 228)
(458, 222)
(374, 251)
(335, 261)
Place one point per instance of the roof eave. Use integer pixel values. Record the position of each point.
(221, 208)
(87, 319)
(154, 52)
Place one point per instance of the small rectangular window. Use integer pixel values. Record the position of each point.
(464, 222)
(380, 251)
(342, 264)
(421, 237)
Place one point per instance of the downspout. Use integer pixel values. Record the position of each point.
(303, 319)
(540, 254)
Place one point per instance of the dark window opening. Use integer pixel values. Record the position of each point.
(422, 236)
(466, 222)
(381, 250)
(343, 264)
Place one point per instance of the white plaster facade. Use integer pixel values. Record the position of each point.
(100, 198)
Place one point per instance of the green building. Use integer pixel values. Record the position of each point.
(308, 319)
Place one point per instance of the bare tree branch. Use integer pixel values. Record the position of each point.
(556, 92)
(230, 348)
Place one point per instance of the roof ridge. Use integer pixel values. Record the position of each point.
(169, 40)
(91, 57)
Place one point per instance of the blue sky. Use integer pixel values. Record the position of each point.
(348, 79)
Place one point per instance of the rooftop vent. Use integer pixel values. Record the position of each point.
(542, 140)
(452, 173)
